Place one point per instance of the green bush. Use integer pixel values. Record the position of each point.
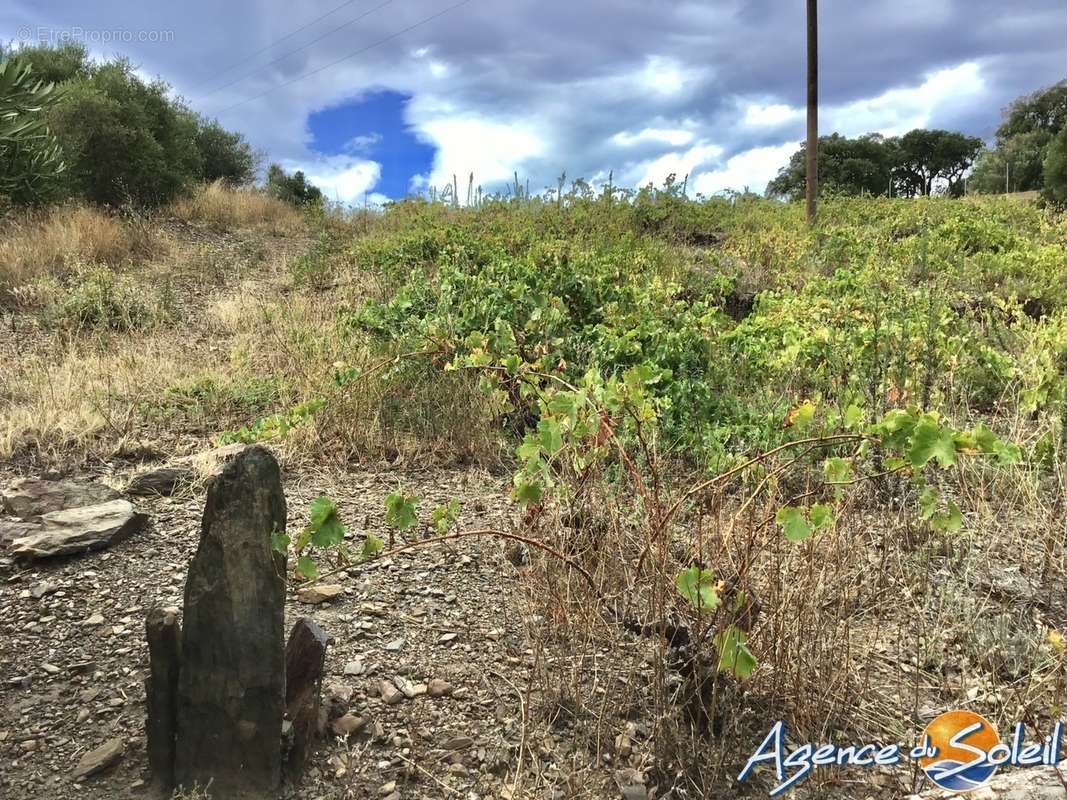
(127, 141)
(293, 188)
(1055, 168)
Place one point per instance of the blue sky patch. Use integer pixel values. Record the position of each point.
(372, 127)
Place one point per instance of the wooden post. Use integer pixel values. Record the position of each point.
(813, 110)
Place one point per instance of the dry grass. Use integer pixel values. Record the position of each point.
(36, 244)
(223, 209)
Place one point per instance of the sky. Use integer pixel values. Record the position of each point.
(375, 99)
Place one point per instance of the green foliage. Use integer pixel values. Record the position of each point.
(100, 298)
(224, 155)
(275, 426)
(1016, 163)
(293, 188)
(445, 516)
(697, 586)
(124, 141)
(31, 161)
(400, 511)
(734, 655)
(872, 164)
(1054, 169)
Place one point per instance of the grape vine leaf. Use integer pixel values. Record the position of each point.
(794, 525)
(734, 655)
(698, 587)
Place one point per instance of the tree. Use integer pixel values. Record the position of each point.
(293, 188)
(846, 166)
(31, 161)
(1055, 172)
(224, 155)
(126, 140)
(926, 156)
(1016, 162)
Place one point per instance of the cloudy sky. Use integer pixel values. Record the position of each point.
(376, 98)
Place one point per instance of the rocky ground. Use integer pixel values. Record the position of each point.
(440, 623)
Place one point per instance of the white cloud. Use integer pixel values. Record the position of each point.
(490, 149)
(341, 178)
(898, 111)
(752, 169)
(668, 77)
(677, 163)
(760, 116)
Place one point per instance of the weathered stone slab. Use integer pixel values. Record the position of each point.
(32, 497)
(163, 481)
(161, 693)
(305, 657)
(231, 687)
(76, 530)
(106, 755)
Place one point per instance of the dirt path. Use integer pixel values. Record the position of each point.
(74, 658)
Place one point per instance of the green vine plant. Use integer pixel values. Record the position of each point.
(609, 424)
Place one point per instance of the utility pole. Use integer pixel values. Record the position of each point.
(813, 109)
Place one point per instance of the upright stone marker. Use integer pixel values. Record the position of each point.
(161, 693)
(305, 658)
(231, 688)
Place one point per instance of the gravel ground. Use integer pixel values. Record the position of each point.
(73, 658)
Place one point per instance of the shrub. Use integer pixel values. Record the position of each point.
(294, 188)
(102, 298)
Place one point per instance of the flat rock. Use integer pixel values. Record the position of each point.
(391, 695)
(162, 481)
(98, 760)
(320, 593)
(33, 497)
(76, 530)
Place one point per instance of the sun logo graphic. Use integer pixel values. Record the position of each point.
(960, 743)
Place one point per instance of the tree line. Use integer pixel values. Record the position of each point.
(1029, 153)
(75, 128)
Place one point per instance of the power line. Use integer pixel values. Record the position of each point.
(353, 54)
(284, 56)
(287, 36)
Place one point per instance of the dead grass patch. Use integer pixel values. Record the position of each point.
(223, 209)
(43, 243)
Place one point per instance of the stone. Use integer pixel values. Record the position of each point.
(390, 694)
(305, 659)
(406, 687)
(162, 481)
(42, 589)
(231, 687)
(106, 755)
(395, 646)
(347, 725)
(34, 497)
(439, 688)
(319, 593)
(77, 530)
(161, 694)
(356, 667)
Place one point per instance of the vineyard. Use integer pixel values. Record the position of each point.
(743, 470)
